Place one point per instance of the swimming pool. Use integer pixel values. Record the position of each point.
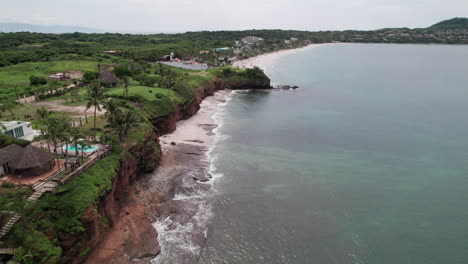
(86, 149)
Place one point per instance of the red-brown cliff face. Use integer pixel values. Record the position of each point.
(167, 124)
(121, 226)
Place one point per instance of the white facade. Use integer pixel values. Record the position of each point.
(250, 40)
(18, 129)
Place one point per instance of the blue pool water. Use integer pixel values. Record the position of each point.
(80, 148)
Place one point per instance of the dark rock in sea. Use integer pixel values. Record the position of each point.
(201, 175)
(195, 141)
(286, 87)
(173, 143)
(188, 185)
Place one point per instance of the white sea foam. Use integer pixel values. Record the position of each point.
(178, 239)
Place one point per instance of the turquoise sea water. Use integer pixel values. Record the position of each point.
(366, 163)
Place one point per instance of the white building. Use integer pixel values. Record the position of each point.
(250, 40)
(18, 129)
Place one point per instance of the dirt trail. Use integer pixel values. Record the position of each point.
(77, 111)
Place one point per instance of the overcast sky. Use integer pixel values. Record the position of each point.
(194, 15)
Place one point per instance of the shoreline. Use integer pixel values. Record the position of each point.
(177, 193)
(168, 210)
(262, 59)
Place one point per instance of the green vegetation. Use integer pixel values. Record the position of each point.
(62, 212)
(52, 229)
(18, 75)
(454, 23)
(6, 141)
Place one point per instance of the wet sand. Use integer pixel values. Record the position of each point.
(175, 194)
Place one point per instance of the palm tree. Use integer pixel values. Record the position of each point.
(53, 131)
(95, 96)
(125, 81)
(23, 256)
(65, 137)
(76, 137)
(121, 122)
(112, 109)
(84, 143)
(74, 93)
(42, 115)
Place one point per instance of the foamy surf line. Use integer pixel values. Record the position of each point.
(181, 242)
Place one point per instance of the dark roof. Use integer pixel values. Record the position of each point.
(24, 158)
(108, 77)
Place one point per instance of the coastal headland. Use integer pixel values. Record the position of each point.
(182, 169)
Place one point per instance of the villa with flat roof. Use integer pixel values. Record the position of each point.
(18, 129)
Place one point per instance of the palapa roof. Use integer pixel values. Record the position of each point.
(108, 77)
(24, 158)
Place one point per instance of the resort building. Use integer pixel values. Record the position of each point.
(26, 161)
(250, 40)
(59, 76)
(18, 129)
(109, 78)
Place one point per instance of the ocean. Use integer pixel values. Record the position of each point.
(367, 162)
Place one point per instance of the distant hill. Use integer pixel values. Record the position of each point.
(20, 27)
(454, 23)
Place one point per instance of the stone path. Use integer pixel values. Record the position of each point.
(11, 222)
(7, 251)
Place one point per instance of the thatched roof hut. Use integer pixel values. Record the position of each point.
(27, 161)
(108, 77)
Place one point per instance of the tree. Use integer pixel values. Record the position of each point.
(74, 93)
(36, 80)
(53, 86)
(57, 128)
(95, 98)
(7, 105)
(42, 115)
(169, 79)
(123, 73)
(122, 121)
(84, 144)
(65, 136)
(76, 137)
(125, 80)
(147, 80)
(89, 76)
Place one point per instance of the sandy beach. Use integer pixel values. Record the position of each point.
(264, 60)
(176, 193)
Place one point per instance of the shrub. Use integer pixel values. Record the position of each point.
(227, 71)
(7, 185)
(36, 80)
(147, 80)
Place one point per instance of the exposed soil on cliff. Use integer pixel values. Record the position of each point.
(183, 170)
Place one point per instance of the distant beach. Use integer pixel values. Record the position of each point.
(264, 60)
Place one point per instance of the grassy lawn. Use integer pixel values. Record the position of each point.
(88, 128)
(72, 100)
(21, 112)
(145, 92)
(19, 74)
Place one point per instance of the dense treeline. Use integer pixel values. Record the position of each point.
(24, 46)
